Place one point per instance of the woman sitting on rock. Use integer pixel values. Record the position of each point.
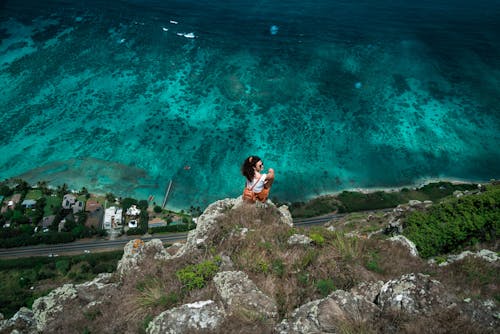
(258, 184)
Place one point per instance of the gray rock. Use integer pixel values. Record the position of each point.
(135, 251)
(285, 215)
(188, 318)
(413, 294)
(299, 239)
(407, 243)
(241, 296)
(368, 290)
(329, 314)
(205, 223)
(50, 307)
(484, 254)
(487, 255)
(21, 322)
(414, 202)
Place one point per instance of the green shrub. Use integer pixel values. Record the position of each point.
(355, 201)
(348, 247)
(456, 223)
(373, 263)
(62, 266)
(317, 238)
(314, 207)
(157, 209)
(195, 276)
(278, 267)
(325, 286)
(173, 228)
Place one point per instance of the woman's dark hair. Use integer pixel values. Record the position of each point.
(248, 165)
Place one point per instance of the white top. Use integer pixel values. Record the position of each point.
(259, 184)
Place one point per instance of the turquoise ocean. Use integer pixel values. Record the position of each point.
(124, 96)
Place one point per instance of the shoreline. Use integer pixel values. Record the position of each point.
(420, 183)
(364, 190)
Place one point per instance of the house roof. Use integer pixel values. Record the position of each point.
(133, 211)
(29, 202)
(92, 205)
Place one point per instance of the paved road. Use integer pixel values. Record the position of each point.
(82, 246)
(95, 245)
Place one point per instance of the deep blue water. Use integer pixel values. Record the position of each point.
(114, 96)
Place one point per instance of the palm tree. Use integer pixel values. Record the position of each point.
(44, 187)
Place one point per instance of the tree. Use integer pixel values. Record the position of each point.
(22, 186)
(127, 202)
(62, 190)
(143, 205)
(44, 187)
(110, 197)
(5, 190)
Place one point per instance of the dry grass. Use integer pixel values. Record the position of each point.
(450, 321)
(472, 277)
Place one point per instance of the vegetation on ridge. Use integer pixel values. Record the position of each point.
(353, 201)
(453, 224)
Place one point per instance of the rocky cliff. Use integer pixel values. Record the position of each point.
(246, 269)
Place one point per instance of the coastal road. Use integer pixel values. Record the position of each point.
(99, 245)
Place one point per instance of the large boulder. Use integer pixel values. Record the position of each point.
(204, 224)
(329, 315)
(413, 294)
(48, 308)
(136, 251)
(57, 304)
(189, 318)
(198, 238)
(401, 239)
(242, 298)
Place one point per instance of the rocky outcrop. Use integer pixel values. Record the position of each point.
(54, 305)
(136, 251)
(483, 254)
(21, 322)
(395, 217)
(198, 237)
(233, 296)
(299, 239)
(413, 294)
(407, 243)
(50, 307)
(188, 318)
(368, 290)
(329, 314)
(242, 298)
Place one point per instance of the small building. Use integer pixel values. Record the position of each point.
(78, 207)
(11, 203)
(133, 211)
(29, 203)
(132, 223)
(112, 218)
(47, 221)
(70, 202)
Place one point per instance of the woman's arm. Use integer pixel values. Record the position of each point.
(269, 178)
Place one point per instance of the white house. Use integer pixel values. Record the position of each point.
(133, 211)
(112, 218)
(70, 202)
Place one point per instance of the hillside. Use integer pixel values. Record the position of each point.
(247, 269)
